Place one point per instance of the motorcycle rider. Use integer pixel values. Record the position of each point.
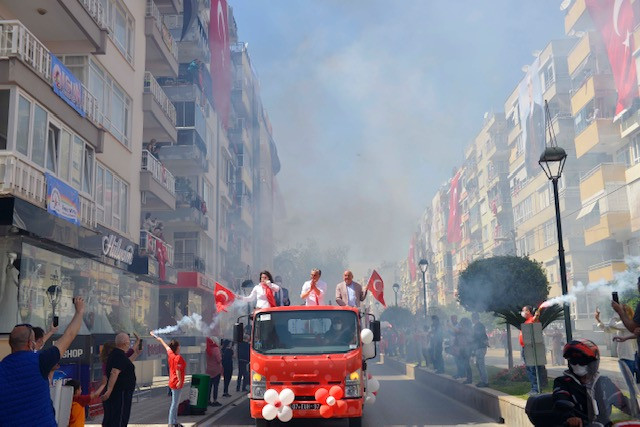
(581, 388)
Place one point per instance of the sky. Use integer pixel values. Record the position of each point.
(372, 103)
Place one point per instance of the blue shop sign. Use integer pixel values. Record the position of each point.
(66, 85)
(62, 200)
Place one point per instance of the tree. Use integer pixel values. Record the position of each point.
(399, 317)
(295, 264)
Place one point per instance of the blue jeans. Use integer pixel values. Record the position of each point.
(175, 401)
(531, 374)
(480, 353)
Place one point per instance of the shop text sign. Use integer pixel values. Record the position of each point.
(62, 200)
(112, 248)
(66, 85)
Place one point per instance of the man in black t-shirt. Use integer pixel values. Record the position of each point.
(121, 383)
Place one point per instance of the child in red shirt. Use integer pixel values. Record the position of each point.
(80, 401)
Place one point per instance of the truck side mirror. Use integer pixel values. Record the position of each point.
(238, 332)
(375, 328)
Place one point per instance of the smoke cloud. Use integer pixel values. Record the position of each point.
(622, 282)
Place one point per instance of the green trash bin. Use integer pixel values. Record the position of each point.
(199, 393)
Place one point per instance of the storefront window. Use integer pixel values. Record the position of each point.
(114, 300)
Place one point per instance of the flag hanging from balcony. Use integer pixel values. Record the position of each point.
(615, 21)
(376, 286)
(454, 230)
(412, 259)
(189, 16)
(531, 109)
(220, 59)
(224, 297)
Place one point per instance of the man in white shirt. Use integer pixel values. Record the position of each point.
(313, 290)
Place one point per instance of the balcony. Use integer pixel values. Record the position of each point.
(78, 22)
(590, 86)
(612, 225)
(225, 190)
(599, 136)
(185, 218)
(26, 62)
(577, 17)
(579, 54)
(169, 6)
(606, 270)
(22, 179)
(190, 262)
(157, 184)
(149, 245)
(159, 112)
(193, 45)
(244, 175)
(595, 181)
(240, 98)
(188, 157)
(162, 50)
(223, 238)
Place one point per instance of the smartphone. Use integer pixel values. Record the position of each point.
(614, 296)
(140, 345)
(55, 321)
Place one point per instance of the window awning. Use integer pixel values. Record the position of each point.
(586, 210)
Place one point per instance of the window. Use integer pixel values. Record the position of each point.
(4, 118)
(623, 155)
(53, 144)
(544, 197)
(39, 138)
(519, 145)
(24, 118)
(112, 197)
(547, 77)
(121, 26)
(549, 233)
(635, 149)
(77, 64)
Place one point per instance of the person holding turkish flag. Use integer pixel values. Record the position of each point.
(263, 292)
(223, 297)
(376, 286)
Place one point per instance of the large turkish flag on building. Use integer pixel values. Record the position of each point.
(615, 21)
(220, 59)
(376, 286)
(223, 296)
(454, 231)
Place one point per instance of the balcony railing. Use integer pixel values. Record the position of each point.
(151, 86)
(189, 262)
(17, 41)
(95, 9)
(25, 180)
(149, 246)
(153, 12)
(159, 172)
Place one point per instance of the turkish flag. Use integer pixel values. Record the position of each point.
(615, 21)
(376, 286)
(454, 232)
(220, 59)
(223, 296)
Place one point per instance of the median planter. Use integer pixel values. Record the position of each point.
(500, 406)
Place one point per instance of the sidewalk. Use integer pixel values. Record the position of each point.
(151, 408)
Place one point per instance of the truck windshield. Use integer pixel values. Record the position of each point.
(305, 332)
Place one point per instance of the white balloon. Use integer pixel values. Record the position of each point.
(269, 411)
(373, 385)
(369, 350)
(287, 396)
(271, 396)
(366, 335)
(285, 414)
(331, 400)
(370, 399)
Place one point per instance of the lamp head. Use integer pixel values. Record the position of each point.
(423, 263)
(395, 287)
(552, 162)
(54, 293)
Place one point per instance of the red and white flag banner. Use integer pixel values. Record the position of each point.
(223, 297)
(376, 287)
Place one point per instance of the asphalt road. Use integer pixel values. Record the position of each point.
(401, 401)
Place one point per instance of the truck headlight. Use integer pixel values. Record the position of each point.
(352, 384)
(258, 385)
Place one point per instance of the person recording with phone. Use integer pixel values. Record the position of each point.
(626, 346)
(632, 323)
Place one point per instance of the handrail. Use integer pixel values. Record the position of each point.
(151, 86)
(95, 9)
(159, 172)
(153, 12)
(149, 243)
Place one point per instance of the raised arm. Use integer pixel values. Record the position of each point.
(72, 330)
(52, 330)
(164, 344)
(628, 323)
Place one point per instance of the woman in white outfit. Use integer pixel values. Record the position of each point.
(263, 293)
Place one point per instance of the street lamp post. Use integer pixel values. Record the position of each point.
(395, 290)
(424, 264)
(552, 162)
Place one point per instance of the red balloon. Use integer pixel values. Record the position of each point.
(340, 407)
(336, 392)
(321, 395)
(326, 411)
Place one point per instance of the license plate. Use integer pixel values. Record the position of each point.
(305, 406)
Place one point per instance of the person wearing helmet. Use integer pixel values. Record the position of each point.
(581, 388)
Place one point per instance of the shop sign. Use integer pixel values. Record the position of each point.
(66, 85)
(78, 352)
(112, 247)
(62, 199)
(205, 282)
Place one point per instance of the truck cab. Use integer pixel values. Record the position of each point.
(305, 349)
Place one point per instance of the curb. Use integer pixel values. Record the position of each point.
(219, 409)
(502, 407)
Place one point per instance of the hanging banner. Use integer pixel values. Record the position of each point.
(62, 200)
(66, 85)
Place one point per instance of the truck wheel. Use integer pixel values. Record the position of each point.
(355, 422)
(260, 422)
